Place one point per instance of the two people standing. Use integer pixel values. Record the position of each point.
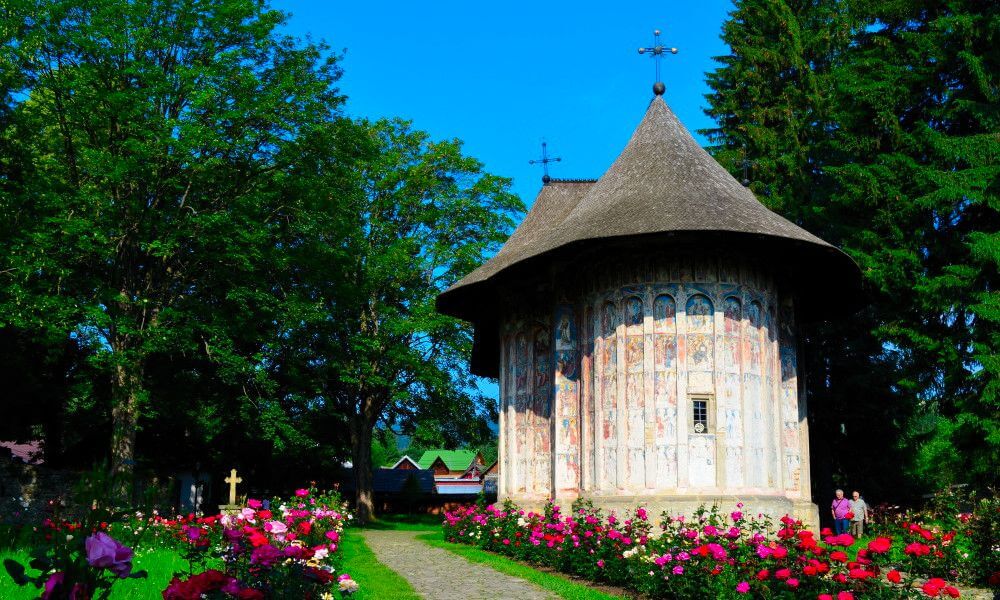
(849, 516)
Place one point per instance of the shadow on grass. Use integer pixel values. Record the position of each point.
(406, 523)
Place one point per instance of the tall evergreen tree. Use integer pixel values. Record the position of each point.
(918, 98)
(887, 148)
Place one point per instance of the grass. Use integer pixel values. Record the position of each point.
(406, 523)
(376, 580)
(553, 582)
(161, 565)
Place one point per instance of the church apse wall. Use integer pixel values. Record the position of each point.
(653, 378)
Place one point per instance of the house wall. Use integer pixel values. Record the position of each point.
(597, 386)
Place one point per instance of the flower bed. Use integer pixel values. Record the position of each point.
(275, 549)
(712, 554)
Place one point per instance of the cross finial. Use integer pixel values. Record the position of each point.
(656, 53)
(232, 480)
(544, 161)
(746, 168)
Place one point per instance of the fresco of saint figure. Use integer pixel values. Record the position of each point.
(733, 315)
(564, 337)
(700, 352)
(699, 314)
(633, 353)
(664, 311)
(665, 351)
(633, 314)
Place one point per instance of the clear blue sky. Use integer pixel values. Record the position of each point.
(501, 76)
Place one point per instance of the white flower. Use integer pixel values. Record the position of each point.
(348, 585)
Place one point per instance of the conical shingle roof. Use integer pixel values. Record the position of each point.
(662, 189)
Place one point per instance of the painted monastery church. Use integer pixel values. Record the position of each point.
(643, 328)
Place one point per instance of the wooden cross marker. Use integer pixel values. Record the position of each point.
(232, 480)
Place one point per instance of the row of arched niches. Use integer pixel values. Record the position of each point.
(654, 388)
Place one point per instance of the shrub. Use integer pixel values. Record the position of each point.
(710, 553)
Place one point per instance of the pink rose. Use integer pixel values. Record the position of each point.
(743, 587)
(301, 492)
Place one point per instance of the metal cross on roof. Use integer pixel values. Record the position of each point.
(656, 53)
(544, 161)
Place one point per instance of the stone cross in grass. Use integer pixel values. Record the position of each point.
(232, 480)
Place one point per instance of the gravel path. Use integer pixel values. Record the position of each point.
(437, 574)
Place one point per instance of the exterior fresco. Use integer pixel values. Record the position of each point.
(597, 392)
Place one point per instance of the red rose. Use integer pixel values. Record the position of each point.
(782, 574)
(894, 576)
(931, 590)
(917, 549)
(951, 591)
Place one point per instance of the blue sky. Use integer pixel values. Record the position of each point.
(502, 76)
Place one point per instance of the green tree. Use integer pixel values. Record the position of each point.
(154, 131)
(886, 147)
(920, 138)
(380, 219)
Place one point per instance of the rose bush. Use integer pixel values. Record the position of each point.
(268, 550)
(290, 551)
(710, 554)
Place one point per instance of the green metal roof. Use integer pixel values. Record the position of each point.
(455, 460)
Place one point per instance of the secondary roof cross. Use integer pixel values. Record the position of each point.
(544, 161)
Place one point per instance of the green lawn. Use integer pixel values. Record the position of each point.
(161, 565)
(376, 580)
(553, 582)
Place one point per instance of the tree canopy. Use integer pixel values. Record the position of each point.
(877, 126)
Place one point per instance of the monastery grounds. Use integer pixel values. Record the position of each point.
(306, 545)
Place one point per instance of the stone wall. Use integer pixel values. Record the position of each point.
(28, 492)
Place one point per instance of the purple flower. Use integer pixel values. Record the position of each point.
(265, 556)
(104, 552)
(54, 581)
(743, 587)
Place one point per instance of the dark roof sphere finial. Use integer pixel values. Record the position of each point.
(546, 179)
(659, 88)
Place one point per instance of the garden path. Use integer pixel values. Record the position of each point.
(437, 574)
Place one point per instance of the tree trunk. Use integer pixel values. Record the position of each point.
(126, 389)
(361, 456)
